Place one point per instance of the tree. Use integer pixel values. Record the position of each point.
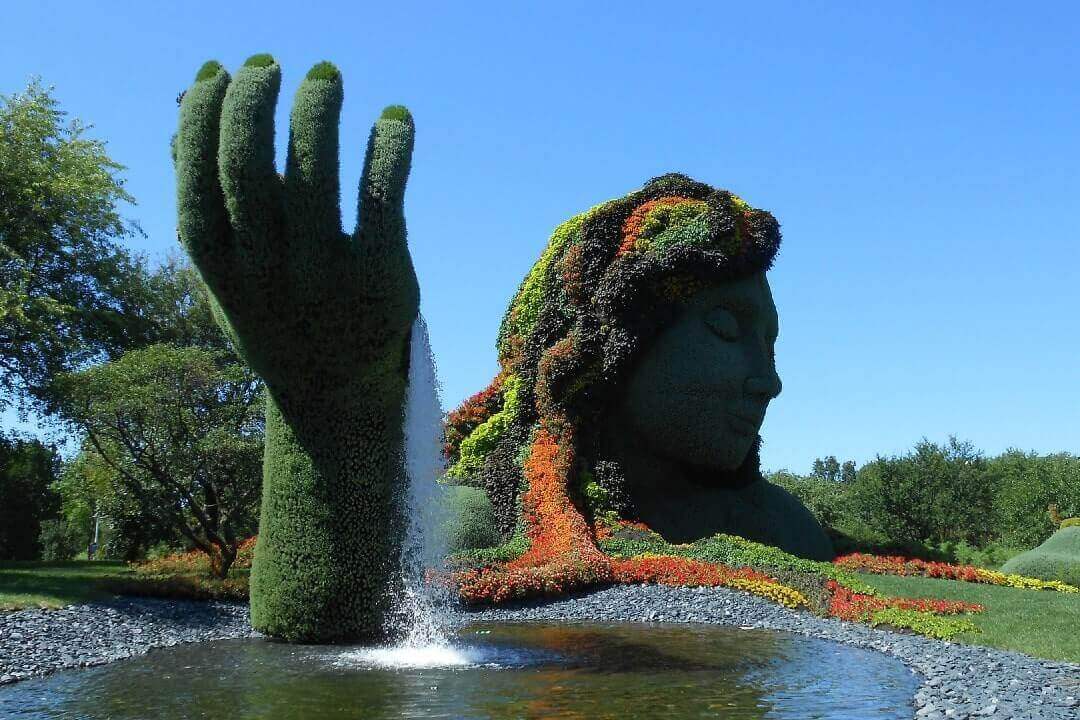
(1027, 484)
(848, 472)
(826, 469)
(27, 470)
(935, 493)
(181, 431)
(61, 269)
(166, 304)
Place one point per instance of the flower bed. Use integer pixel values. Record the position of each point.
(897, 565)
(630, 553)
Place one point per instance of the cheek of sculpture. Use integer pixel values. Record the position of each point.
(698, 394)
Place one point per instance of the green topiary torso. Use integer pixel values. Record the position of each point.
(324, 317)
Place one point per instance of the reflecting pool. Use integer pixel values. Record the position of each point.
(497, 671)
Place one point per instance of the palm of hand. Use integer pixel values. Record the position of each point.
(301, 298)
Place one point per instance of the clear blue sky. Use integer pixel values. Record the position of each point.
(922, 159)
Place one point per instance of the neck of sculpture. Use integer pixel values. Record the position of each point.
(681, 501)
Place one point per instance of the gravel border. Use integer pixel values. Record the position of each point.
(958, 681)
(38, 642)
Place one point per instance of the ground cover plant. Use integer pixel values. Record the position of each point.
(897, 565)
(1042, 624)
(57, 584)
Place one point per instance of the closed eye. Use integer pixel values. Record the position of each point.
(722, 322)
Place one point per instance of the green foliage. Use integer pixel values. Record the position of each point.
(396, 112)
(209, 69)
(60, 541)
(1070, 522)
(259, 60)
(935, 493)
(1026, 485)
(512, 549)
(1056, 559)
(830, 501)
(731, 551)
(481, 441)
(177, 433)
(62, 273)
(27, 470)
(325, 71)
(324, 318)
(942, 627)
(470, 520)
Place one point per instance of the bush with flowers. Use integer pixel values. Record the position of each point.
(898, 565)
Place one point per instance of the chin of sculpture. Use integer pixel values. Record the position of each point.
(637, 365)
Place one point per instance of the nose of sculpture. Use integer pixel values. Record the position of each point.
(763, 386)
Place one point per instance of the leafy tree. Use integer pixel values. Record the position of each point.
(27, 470)
(179, 432)
(826, 499)
(61, 270)
(848, 472)
(1027, 484)
(826, 469)
(168, 304)
(935, 493)
(59, 540)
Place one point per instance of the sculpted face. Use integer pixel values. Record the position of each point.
(699, 392)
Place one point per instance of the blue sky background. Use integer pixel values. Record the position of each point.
(921, 157)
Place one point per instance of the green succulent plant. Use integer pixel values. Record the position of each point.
(324, 317)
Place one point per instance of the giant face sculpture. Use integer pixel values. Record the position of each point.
(636, 365)
(698, 394)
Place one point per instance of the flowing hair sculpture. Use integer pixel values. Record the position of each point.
(607, 281)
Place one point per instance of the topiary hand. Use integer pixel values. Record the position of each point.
(324, 317)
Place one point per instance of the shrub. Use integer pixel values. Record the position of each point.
(1057, 559)
(935, 493)
(470, 522)
(59, 540)
(828, 500)
(1026, 485)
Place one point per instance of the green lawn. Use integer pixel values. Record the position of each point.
(1035, 622)
(54, 585)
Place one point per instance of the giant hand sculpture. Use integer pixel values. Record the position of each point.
(324, 317)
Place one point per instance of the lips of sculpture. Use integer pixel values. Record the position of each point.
(746, 424)
(699, 392)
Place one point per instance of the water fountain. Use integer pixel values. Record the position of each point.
(420, 608)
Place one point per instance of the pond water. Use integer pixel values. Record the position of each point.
(498, 671)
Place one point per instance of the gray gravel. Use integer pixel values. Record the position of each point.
(37, 642)
(959, 681)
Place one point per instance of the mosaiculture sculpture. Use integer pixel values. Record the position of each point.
(636, 366)
(1058, 558)
(324, 318)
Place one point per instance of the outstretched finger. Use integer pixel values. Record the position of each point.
(251, 186)
(203, 224)
(380, 227)
(312, 187)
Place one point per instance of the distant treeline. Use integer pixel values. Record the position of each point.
(948, 499)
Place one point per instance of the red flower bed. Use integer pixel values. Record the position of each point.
(848, 605)
(685, 572)
(897, 565)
